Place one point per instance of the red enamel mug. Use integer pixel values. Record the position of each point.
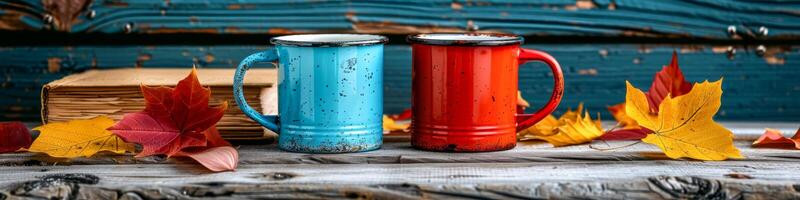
(464, 91)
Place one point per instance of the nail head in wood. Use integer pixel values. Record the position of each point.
(48, 19)
(128, 28)
(471, 26)
(731, 52)
(731, 30)
(763, 31)
(761, 50)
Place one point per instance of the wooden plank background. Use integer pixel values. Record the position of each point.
(760, 88)
(600, 43)
(695, 18)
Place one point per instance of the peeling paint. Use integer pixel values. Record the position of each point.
(456, 6)
(149, 30)
(234, 30)
(719, 49)
(141, 59)
(669, 19)
(590, 72)
(603, 53)
(393, 28)
(25, 75)
(282, 31)
(774, 60)
(643, 49)
(581, 5)
(775, 55)
(351, 16)
(53, 64)
(690, 49)
(209, 58)
(240, 6)
(234, 7)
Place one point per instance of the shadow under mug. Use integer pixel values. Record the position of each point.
(464, 91)
(330, 92)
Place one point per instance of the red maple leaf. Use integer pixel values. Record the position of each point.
(668, 81)
(14, 136)
(626, 134)
(173, 120)
(406, 114)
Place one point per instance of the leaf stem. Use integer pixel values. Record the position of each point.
(613, 148)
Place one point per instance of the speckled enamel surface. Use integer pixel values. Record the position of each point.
(329, 98)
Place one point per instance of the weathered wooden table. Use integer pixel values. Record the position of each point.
(532, 170)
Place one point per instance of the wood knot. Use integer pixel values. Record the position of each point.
(688, 187)
(65, 183)
(357, 195)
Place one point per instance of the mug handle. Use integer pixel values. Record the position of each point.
(271, 122)
(527, 120)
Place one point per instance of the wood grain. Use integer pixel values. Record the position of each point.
(756, 88)
(532, 170)
(621, 18)
(401, 152)
(595, 179)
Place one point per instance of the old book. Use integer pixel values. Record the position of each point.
(115, 92)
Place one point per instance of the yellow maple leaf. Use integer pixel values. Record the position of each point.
(390, 125)
(578, 130)
(549, 124)
(545, 127)
(570, 114)
(570, 128)
(684, 125)
(78, 138)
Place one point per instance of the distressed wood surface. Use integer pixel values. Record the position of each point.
(624, 18)
(532, 170)
(399, 151)
(638, 180)
(758, 87)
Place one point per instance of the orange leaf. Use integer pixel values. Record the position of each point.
(630, 129)
(774, 139)
(618, 111)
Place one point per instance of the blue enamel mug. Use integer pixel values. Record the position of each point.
(330, 92)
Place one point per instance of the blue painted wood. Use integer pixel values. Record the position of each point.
(755, 87)
(690, 18)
